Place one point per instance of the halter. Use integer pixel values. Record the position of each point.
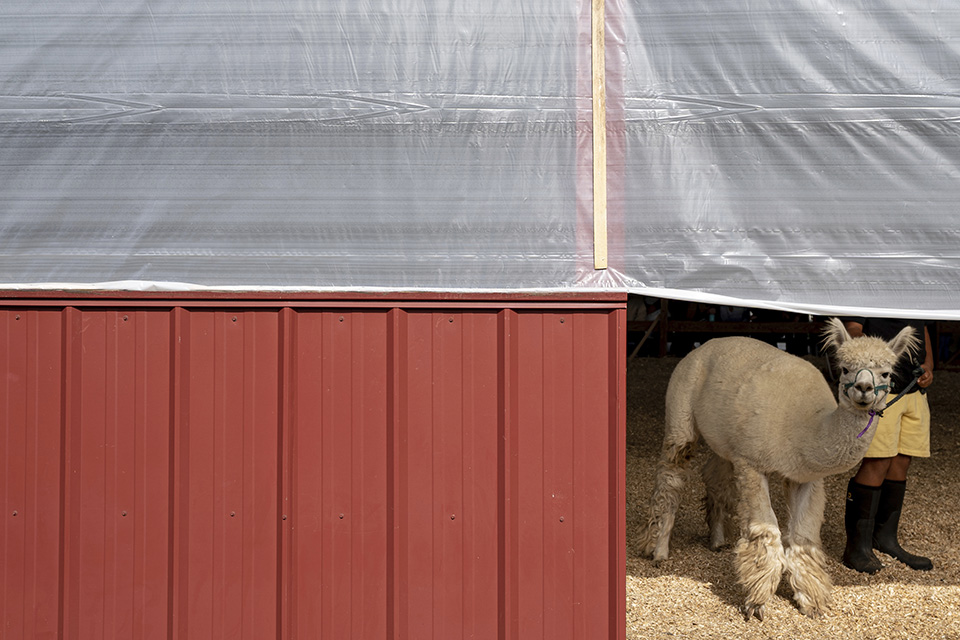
(877, 387)
(916, 376)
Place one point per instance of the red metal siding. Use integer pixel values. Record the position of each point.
(30, 479)
(309, 471)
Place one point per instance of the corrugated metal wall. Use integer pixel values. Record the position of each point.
(367, 471)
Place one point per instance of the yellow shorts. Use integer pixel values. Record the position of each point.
(904, 428)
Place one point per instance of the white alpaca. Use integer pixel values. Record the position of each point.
(767, 413)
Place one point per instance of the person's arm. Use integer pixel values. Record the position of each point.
(855, 329)
(926, 379)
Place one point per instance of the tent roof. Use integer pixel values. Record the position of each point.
(784, 155)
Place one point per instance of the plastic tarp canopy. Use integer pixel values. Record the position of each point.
(791, 154)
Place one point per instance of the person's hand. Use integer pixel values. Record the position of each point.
(926, 379)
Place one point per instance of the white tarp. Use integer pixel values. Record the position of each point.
(791, 154)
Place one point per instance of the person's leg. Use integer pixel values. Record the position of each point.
(863, 496)
(873, 471)
(898, 468)
(863, 492)
(887, 522)
(914, 440)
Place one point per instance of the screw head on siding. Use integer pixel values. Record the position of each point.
(233, 514)
(233, 319)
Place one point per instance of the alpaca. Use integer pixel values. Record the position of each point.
(763, 413)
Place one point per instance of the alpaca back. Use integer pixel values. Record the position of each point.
(749, 401)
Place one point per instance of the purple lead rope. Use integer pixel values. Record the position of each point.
(916, 378)
(870, 422)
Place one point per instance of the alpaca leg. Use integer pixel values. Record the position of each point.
(805, 560)
(655, 540)
(759, 552)
(721, 500)
(679, 439)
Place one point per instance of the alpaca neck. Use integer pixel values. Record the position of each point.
(839, 444)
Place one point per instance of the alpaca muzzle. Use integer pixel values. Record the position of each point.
(864, 391)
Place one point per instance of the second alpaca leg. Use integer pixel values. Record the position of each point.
(679, 440)
(664, 501)
(759, 552)
(720, 501)
(805, 560)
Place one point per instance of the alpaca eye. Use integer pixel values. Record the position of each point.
(885, 375)
(844, 370)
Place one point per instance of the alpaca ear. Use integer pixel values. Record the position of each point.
(905, 342)
(835, 334)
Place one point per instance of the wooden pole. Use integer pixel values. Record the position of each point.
(599, 138)
(636, 350)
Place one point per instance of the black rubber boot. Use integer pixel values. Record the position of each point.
(861, 509)
(887, 523)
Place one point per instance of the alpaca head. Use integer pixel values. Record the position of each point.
(866, 364)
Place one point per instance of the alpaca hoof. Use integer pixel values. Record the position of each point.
(752, 610)
(655, 555)
(814, 613)
(658, 559)
(813, 608)
(718, 546)
(660, 551)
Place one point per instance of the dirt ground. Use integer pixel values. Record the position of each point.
(694, 593)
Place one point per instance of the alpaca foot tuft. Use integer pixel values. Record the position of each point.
(759, 562)
(805, 565)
